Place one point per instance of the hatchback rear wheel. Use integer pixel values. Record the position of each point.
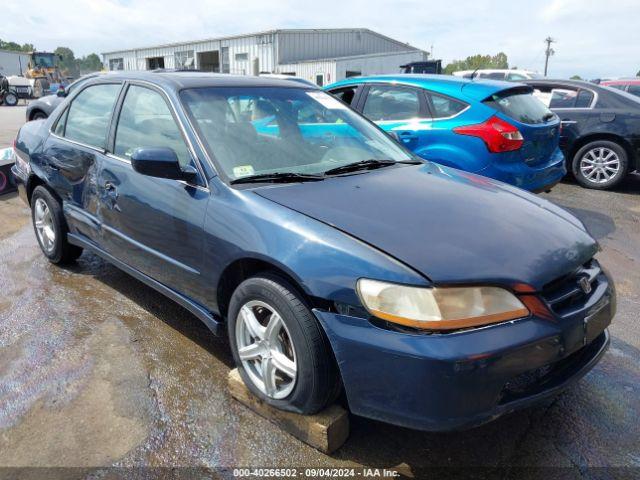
(279, 347)
(600, 165)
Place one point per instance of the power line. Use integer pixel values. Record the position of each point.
(548, 52)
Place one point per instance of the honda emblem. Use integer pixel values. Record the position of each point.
(585, 285)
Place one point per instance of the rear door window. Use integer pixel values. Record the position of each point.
(88, 116)
(521, 106)
(563, 98)
(386, 102)
(584, 99)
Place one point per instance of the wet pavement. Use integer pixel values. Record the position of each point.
(99, 370)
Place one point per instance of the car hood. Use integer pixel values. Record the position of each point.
(450, 226)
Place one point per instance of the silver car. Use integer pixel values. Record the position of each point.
(43, 106)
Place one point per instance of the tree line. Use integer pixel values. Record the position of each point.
(69, 64)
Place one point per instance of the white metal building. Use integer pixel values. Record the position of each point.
(320, 55)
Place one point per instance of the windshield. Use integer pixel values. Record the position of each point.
(45, 60)
(521, 106)
(251, 131)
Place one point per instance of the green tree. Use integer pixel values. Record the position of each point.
(638, 74)
(90, 63)
(474, 62)
(576, 77)
(67, 61)
(15, 47)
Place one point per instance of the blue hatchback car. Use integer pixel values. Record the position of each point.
(491, 128)
(333, 258)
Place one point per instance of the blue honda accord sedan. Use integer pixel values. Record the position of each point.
(333, 258)
(492, 128)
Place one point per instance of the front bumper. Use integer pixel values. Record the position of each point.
(533, 178)
(462, 379)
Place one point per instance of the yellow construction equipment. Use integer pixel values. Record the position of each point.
(43, 71)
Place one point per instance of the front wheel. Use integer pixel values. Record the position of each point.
(600, 165)
(279, 347)
(51, 228)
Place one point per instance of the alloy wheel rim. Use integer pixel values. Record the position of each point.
(44, 225)
(265, 349)
(600, 165)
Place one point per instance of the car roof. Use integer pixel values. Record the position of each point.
(182, 80)
(622, 81)
(551, 81)
(477, 89)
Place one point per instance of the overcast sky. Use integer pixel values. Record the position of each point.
(594, 38)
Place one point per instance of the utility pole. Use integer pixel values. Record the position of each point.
(548, 52)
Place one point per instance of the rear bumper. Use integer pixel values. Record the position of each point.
(463, 379)
(532, 178)
(21, 183)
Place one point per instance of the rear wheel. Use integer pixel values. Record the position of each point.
(51, 228)
(279, 346)
(11, 99)
(600, 164)
(38, 115)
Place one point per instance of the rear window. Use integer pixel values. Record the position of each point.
(521, 106)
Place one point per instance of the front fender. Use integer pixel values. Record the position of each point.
(325, 262)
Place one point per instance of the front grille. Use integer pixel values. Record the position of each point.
(570, 292)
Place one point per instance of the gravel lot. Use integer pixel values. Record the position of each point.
(98, 370)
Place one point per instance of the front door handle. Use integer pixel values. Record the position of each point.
(112, 194)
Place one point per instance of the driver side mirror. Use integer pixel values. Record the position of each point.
(161, 162)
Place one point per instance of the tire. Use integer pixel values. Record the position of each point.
(4, 182)
(11, 99)
(300, 338)
(604, 177)
(40, 87)
(51, 228)
(38, 115)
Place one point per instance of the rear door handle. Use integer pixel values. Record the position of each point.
(406, 136)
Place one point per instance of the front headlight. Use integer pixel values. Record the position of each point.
(439, 308)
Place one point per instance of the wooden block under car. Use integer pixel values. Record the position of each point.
(326, 430)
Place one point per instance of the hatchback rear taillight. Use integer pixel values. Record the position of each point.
(498, 135)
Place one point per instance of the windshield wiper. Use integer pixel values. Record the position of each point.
(366, 165)
(278, 177)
